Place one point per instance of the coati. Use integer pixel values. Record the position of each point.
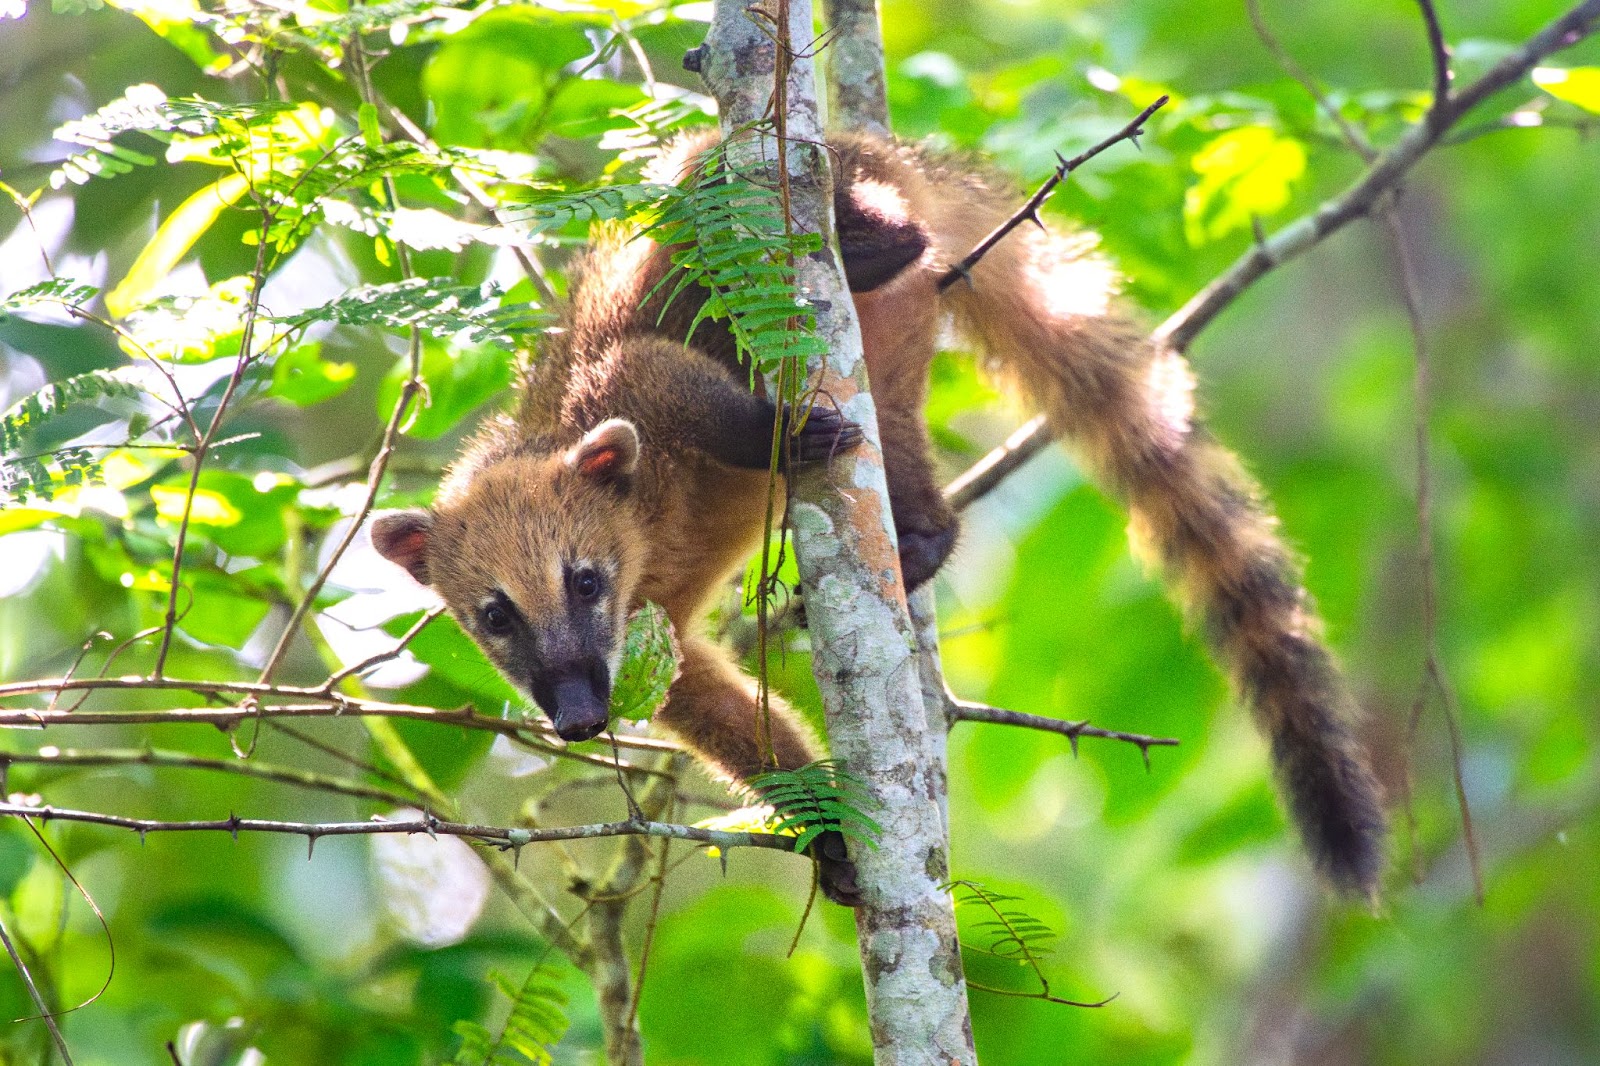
(636, 469)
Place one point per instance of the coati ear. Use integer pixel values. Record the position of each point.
(608, 452)
(402, 538)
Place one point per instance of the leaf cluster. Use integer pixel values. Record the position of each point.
(41, 474)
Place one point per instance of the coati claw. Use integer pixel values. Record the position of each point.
(836, 874)
(825, 433)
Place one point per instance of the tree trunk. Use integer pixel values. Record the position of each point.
(864, 645)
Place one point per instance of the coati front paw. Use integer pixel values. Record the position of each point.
(826, 432)
(923, 552)
(836, 874)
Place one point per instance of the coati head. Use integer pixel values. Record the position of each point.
(538, 556)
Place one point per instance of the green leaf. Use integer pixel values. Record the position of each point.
(491, 83)
(649, 664)
(367, 118)
(1245, 174)
(16, 858)
(301, 376)
(218, 612)
(1575, 85)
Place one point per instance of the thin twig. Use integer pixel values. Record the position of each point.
(45, 1013)
(409, 390)
(1433, 674)
(1439, 53)
(1030, 210)
(202, 446)
(1353, 136)
(383, 656)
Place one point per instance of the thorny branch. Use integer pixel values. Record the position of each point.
(963, 711)
(288, 775)
(501, 837)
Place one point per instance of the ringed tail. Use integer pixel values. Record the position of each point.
(1039, 305)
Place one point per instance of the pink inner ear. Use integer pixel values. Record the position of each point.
(600, 462)
(410, 545)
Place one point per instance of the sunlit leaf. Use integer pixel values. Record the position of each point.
(208, 509)
(301, 376)
(1575, 85)
(190, 329)
(1245, 174)
(173, 240)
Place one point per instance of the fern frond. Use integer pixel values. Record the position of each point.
(60, 291)
(728, 237)
(439, 306)
(818, 798)
(545, 208)
(42, 474)
(537, 1022)
(1013, 935)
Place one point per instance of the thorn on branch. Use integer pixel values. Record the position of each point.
(1030, 210)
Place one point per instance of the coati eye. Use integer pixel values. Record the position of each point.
(586, 584)
(496, 618)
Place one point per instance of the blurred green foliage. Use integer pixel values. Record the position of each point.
(1178, 888)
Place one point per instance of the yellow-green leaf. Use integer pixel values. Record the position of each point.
(210, 508)
(1244, 174)
(172, 242)
(1575, 85)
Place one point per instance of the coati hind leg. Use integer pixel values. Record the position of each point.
(899, 331)
(898, 308)
(712, 708)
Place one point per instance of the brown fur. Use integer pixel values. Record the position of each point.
(674, 526)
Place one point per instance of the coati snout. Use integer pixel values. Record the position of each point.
(534, 558)
(578, 703)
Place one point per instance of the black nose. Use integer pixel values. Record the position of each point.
(580, 709)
